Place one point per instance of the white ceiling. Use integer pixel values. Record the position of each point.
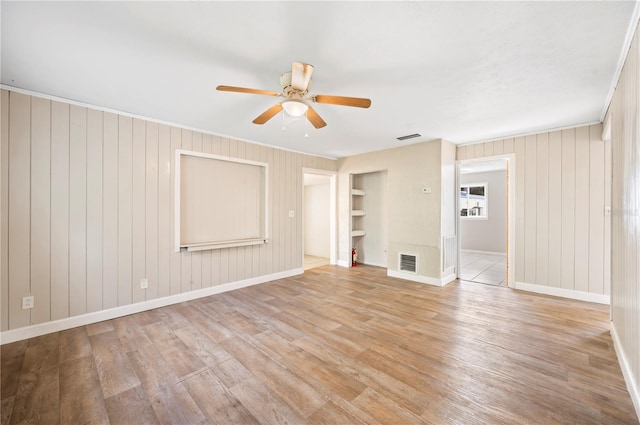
(461, 71)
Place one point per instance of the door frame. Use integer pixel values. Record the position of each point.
(333, 211)
(511, 212)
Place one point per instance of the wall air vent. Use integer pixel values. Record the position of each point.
(448, 252)
(409, 136)
(408, 263)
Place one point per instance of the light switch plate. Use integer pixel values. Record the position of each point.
(27, 302)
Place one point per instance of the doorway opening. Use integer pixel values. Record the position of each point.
(319, 218)
(485, 220)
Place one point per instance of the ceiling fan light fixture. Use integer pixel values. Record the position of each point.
(295, 108)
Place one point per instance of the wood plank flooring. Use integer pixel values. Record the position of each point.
(332, 346)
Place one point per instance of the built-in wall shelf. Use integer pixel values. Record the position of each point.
(367, 212)
(357, 214)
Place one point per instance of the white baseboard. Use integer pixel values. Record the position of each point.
(343, 263)
(384, 266)
(632, 385)
(448, 278)
(422, 279)
(474, 251)
(564, 293)
(112, 313)
(347, 264)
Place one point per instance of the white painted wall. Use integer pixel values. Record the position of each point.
(373, 246)
(623, 117)
(316, 220)
(414, 217)
(87, 211)
(491, 234)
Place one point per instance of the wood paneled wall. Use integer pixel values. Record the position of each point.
(561, 193)
(87, 211)
(623, 117)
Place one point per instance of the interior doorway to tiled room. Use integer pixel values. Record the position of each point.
(483, 221)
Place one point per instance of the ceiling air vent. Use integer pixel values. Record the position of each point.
(409, 136)
(408, 263)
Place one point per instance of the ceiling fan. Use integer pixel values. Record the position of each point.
(295, 89)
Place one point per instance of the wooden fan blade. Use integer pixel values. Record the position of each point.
(268, 114)
(342, 100)
(300, 75)
(314, 118)
(246, 90)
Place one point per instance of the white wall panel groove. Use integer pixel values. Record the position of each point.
(40, 207)
(559, 213)
(86, 200)
(624, 117)
(4, 211)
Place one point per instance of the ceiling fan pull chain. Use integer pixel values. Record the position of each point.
(306, 126)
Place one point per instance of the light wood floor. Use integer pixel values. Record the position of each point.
(333, 346)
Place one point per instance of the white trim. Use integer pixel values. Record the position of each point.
(474, 251)
(626, 46)
(142, 117)
(511, 205)
(373, 264)
(564, 293)
(606, 129)
(343, 263)
(264, 238)
(531, 133)
(226, 244)
(627, 372)
(177, 221)
(448, 278)
(112, 313)
(422, 279)
(491, 158)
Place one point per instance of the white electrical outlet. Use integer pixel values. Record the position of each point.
(27, 302)
(144, 283)
(292, 213)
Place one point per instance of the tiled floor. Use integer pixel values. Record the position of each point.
(483, 268)
(311, 262)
